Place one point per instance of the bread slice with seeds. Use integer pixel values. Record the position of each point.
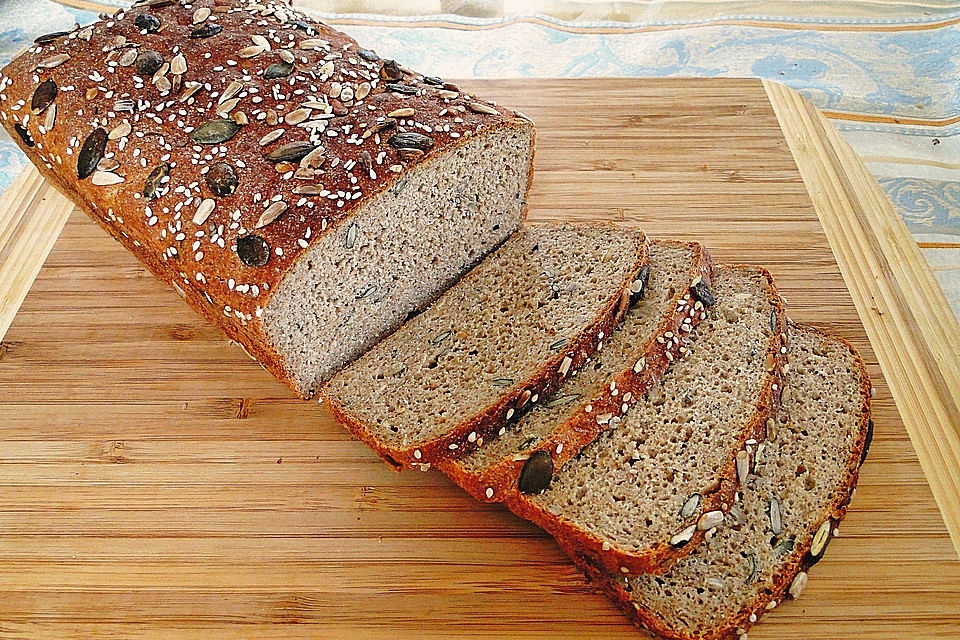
(494, 344)
(299, 191)
(646, 491)
(523, 457)
(792, 503)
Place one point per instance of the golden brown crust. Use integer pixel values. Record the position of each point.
(152, 119)
(801, 559)
(663, 555)
(498, 483)
(469, 435)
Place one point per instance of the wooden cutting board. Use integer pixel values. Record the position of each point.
(156, 483)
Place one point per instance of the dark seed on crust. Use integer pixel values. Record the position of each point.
(405, 89)
(410, 140)
(215, 131)
(537, 473)
(148, 62)
(147, 22)
(390, 70)
(206, 30)
(701, 292)
(154, 181)
(91, 153)
(253, 251)
(639, 286)
(819, 544)
(368, 55)
(867, 442)
(305, 27)
(290, 152)
(50, 37)
(44, 95)
(278, 70)
(23, 133)
(222, 179)
(434, 80)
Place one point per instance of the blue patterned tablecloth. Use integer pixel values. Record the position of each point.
(886, 73)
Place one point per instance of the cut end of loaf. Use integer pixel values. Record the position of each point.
(401, 249)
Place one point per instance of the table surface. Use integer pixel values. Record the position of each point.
(155, 482)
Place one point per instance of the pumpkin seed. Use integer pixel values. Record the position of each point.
(215, 131)
(290, 152)
(50, 37)
(410, 140)
(434, 80)
(690, 506)
(148, 62)
(537, 473)
(43, 95)
(773, 512)
(819, 544)
(390, 70)
(278, 70)
(206, 30)
(638, 287)
(222, 179)
(271, 213)
(479, 107)
(155, 180)
(91, 153)
(147, 22)
(253, 251)
(351, 238)
(405, 89)
(368, 55)
(701, 292)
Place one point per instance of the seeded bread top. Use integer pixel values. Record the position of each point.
(631, 486)
(803, 476)
(490, 334)
(227, 135)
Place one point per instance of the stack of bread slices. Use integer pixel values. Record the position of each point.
(359, 228)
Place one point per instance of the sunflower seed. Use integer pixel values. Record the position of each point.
(105, 178)
(401, 113)
(261, 41)
(410, 140)
(325, 71)
(639, 365)
(224, 109)
(313, 160)
(91, 153)
(773, 512)
(312, 43)
(479, 107)
(50, 37)
(556, 346)
(201, 14)
(290, 152)
(253, 251)
(215, 131)
(222, 179)
(783, 546)
(271, 213)
(278, 70)
(565, 366)
(50, 118)
(271, 137)
(192, 89)
(819, 544)
(308, 190)
(561, 400)
(147, 22)
(148, 62)
(683, 537)
(368, 55)
(207, 30)
(448, 95)
(690, 506)
(204, 210)
(85, 34)
(53, 61)
(251, 51)
(701, 292)
(743, 467)
(297, 116)
(502, 382)
(537, 473)
(751, 568)
(119, 131)
(351, 238)
(710, 519)
(178, 65)
(798, 584)
(108, 164)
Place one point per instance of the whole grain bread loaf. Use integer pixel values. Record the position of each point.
(494, 345)
(647, 490)
(791, 506)
(523, 456)
(300, 192)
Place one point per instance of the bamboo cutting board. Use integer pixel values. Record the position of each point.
(156, 483)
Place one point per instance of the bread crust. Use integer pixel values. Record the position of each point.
(211, 277)
(498, 483)
(659, 558)
(799, 561)
(470, 434)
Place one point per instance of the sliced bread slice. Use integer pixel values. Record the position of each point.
(524, 455)
(792, 503)
(497, 342)
(646, 491)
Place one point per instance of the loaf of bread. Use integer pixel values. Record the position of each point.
(650, 487)
(632, 359)
(790, 507)
(492, 347)
(300, 192)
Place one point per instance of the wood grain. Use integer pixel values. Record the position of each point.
(156, 483)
